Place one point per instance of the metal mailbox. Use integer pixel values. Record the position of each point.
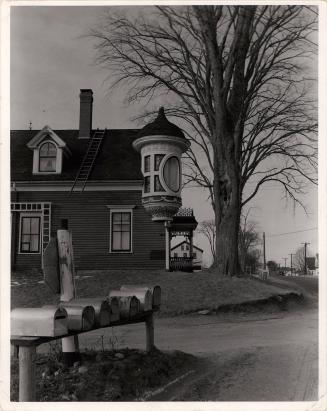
(47, 321)
(101, 309)
(80, 318)
(155, 292)
(129, 305)
(114, 308)
(144, 295)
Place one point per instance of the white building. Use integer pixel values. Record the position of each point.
(182, 250)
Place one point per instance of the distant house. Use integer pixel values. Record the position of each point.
(92, 178)
(182, 250)
(311, 265)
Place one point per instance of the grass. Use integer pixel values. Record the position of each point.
(105, 377)
(182, 293)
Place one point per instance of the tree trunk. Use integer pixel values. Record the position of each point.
(226, 244)
(227, 206)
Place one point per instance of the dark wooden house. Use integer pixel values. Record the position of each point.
(90, 177)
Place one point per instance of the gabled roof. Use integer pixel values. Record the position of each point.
(186, 242)
(45, 132)
(116, 160)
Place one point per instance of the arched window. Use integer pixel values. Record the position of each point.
(48, 157)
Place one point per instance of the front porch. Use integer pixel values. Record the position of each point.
(183, 224)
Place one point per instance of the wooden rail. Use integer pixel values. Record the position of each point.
(181, 264)
(27, 350)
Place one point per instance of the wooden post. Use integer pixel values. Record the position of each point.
(67, 272)
(167, 245)
(191, 250)
(27, 373)
(149, 325)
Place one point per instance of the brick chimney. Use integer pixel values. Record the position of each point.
(85, 115)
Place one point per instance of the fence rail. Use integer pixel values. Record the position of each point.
(181, 264)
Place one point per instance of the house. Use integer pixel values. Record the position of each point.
(93, 179)
(182, 250)
(311, 265)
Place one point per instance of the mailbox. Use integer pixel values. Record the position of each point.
(114, 308)
(101, 309)
(129, 305)
(48, 321)
(161, 144)
(155, 293)
(80, 318)
(144, 295)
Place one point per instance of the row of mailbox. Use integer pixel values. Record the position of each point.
(84, 314)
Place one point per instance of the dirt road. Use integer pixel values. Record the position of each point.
(244, 357)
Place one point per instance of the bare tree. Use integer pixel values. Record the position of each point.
(299, 260)
(234, 75)
(248, 239)
(208, 229)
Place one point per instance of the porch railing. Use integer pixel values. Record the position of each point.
(181, 264)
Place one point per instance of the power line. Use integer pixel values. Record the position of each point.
(292, 232)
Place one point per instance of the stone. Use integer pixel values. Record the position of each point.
(82, 369)
(204, 312)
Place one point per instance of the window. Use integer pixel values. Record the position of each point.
(30, 234)
(184, 254)
(157, 184)
(175, 255)
(182, 247)
(147, 184)
(48, 157)
(157, 160)
(121, 231)
(146, 164)
(194, 255)
(187, 247)
(171, 173)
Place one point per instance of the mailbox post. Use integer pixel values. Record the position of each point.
(70, 346)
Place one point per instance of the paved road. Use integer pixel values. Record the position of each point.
(307, 283)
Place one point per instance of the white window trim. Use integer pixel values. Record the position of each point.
(121, 209)
(166, 190)
(36, 158)
(35, 214)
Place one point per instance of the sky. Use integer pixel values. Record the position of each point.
(52, 59)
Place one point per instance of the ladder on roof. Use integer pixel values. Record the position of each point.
(87, 162)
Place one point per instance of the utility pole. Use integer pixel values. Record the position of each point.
(291, 262)
(305, 257)
(264, 251)
(285, 259)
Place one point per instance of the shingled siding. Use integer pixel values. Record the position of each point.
(89, 222)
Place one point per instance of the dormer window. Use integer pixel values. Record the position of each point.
(48, 150)
(48, 158)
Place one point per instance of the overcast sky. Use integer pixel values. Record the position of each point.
(51, 61)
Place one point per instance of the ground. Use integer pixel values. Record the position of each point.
(254, 355)
(182, 293)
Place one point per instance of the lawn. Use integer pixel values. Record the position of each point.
(181, 292)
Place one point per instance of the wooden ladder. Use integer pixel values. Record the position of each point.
(88, 161)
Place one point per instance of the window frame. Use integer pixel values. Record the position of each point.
(52, 157)
(162, 175)
(30, 215)
(112, 212)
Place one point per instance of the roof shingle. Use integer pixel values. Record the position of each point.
(116, 160)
